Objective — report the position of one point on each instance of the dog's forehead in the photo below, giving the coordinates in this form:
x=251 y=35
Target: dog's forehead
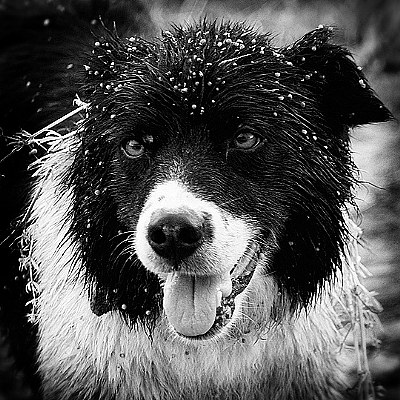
x=206 y=73
x=199 y=64
x=189 y=66
x=195 y=54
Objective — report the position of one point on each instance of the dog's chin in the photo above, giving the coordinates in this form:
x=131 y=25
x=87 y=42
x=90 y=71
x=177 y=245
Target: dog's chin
x=212 y=307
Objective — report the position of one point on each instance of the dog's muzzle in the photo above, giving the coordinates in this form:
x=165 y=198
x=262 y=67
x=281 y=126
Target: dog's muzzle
x=177 y=234
x=192 y=245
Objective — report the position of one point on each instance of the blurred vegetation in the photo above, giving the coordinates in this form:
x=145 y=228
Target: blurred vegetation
x=371 y=29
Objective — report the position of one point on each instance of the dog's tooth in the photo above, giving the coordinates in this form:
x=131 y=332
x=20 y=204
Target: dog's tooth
x=250 y=266
x=260 y=257
x=238 y=270
x=225 y=285
x=219 y=297
x=244 y=261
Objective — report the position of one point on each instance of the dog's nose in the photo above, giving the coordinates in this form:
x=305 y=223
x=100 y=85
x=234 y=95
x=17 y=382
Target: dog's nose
x=176 y=235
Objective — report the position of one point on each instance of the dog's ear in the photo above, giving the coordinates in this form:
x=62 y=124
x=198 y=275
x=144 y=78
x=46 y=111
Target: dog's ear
x=334 y=97
x=345 y=96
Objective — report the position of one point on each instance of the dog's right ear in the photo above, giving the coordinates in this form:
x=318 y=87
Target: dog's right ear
x=346 y=99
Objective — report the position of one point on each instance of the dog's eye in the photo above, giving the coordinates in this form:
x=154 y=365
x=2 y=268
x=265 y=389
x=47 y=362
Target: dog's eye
x=246 y=139
x=132 y=148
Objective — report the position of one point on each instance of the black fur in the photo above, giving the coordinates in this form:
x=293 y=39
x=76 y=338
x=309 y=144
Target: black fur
x=301 y=99
x=192 y=90
x=41 y=51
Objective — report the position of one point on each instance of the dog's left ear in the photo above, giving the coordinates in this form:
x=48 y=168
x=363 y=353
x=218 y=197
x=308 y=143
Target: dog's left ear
x=341 y=87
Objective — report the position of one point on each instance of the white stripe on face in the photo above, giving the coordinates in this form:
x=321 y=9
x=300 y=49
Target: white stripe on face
x=225 y=241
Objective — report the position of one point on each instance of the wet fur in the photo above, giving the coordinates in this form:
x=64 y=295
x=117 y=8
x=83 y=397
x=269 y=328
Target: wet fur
x=124 y=363
x=98 y=342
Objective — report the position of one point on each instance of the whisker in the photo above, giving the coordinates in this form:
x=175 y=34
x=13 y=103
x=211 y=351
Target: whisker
x=230 y=201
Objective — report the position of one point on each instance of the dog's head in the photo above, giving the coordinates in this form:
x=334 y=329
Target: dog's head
x=213 y=173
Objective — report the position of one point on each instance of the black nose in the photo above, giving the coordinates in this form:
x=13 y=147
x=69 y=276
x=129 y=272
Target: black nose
x=176 y=235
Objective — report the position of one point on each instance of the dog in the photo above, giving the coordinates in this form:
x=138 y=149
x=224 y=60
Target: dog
x=186 y=229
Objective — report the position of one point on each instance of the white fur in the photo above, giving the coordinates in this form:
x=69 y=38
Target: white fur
x=230 y=239
x=85 y=356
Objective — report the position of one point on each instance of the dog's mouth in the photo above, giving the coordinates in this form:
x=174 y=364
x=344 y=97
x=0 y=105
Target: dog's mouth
x=200 y=306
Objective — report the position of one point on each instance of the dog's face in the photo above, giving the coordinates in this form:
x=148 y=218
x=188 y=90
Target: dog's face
x=213 y=173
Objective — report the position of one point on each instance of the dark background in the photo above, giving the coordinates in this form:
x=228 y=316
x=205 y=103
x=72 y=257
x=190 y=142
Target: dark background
x=371 y=29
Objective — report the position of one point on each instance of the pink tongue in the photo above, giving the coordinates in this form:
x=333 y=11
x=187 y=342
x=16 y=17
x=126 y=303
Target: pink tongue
x=190 y=302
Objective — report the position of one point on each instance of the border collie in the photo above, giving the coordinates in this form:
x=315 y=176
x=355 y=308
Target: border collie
x=186 y=234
